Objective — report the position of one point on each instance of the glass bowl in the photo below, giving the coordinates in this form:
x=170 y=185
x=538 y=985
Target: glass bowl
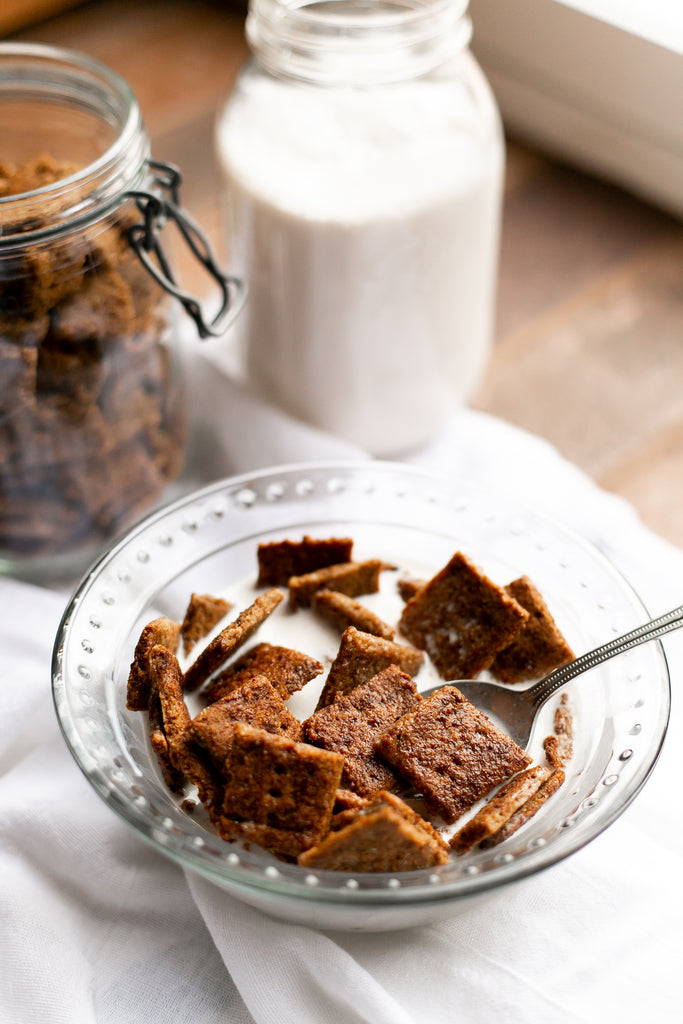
x=414 y=519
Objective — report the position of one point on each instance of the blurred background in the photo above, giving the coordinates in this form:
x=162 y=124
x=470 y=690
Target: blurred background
x=589 y=335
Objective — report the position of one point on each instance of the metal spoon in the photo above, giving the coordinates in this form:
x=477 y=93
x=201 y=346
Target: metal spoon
x=516 y=710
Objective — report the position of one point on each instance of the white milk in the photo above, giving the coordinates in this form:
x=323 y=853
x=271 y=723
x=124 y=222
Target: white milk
x=367 y=232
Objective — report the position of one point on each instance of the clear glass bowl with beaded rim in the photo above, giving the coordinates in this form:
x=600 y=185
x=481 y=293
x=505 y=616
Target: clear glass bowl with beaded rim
x=412 y=519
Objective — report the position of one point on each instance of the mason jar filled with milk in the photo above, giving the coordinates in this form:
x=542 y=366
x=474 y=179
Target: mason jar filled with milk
x=363 y=160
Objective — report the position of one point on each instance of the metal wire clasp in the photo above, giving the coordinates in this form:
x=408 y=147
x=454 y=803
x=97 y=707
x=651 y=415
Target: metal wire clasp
x=144 y=239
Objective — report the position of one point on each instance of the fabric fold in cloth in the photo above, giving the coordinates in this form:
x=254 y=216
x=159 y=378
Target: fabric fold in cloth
x=311 y=976
x=97 y=927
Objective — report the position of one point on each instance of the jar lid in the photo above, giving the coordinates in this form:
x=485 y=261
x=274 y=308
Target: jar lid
x=81 y=112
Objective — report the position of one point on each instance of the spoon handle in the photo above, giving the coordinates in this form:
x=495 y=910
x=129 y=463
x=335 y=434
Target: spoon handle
x=666 y=623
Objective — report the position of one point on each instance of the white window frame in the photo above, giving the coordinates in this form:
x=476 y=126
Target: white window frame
x=596 y=82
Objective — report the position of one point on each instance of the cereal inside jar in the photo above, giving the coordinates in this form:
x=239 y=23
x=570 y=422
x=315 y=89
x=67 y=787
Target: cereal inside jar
x=92 y=419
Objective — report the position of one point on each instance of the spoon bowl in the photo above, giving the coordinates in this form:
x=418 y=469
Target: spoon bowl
x=516 y=710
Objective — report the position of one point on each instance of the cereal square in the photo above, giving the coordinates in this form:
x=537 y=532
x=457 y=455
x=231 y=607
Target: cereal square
x=168 y=714
x=500 y=808
x=255 y=703
x=167 y=683
x=231 y=638
x=560 y=746
x=279 y=560
x=196 y=766
x=341 y=611
x=410 y=814
x=408 y=587
x=450 y=752
x=350 y=578
x=461 y=619
x=174 y=779
x=276 y=782
x=286 y=669
x=202 y=614
x=538 y=647
x=352 y=725
x=527 y=810
x=345 y=800
x=161 y=631
x=384 y=836
x=285 y=843
x=360 y=657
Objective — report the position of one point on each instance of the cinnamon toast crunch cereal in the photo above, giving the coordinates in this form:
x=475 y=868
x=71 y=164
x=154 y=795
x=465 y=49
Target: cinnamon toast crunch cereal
x=538 y=647
x=231 y=638
x=461 y=619
x=163 y=631
x=342 y=611
x=286 y=669
x=202 y=614
x=450 y=752
x=386 y=835
x=255 y=703
x=350 y=578
x=360 y=657
x=353 y=724
x=275 y=783
x=279 y=560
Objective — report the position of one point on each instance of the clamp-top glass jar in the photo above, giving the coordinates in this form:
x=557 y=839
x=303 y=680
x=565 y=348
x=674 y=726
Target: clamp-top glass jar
x=92 y=421
x=363 y=158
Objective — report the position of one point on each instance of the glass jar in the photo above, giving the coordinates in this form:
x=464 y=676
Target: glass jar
x=92 y=418
x=363 y=160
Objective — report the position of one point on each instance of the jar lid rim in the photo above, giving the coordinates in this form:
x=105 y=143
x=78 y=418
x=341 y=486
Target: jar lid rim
x=377 y=41
x=130 y=122
x=329 y=12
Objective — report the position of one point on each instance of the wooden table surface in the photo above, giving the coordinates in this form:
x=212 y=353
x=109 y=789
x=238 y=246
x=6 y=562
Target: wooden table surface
x=589 y=338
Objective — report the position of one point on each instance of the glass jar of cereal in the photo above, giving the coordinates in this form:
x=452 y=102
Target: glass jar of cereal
x=92 y=419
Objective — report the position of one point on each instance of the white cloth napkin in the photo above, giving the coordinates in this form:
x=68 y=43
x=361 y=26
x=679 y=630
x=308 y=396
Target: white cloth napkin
x=95 y=926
